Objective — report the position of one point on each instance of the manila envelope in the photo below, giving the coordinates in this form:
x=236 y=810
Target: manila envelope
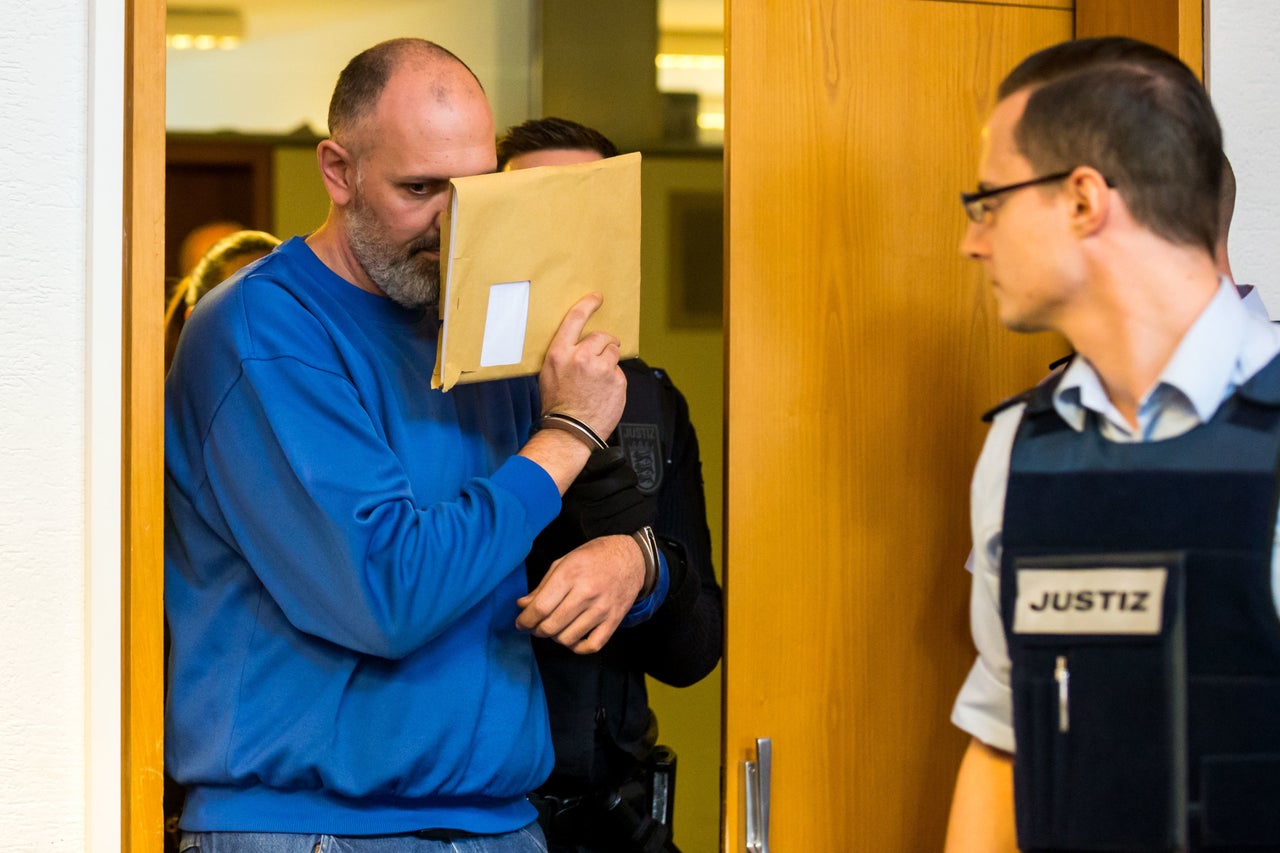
x=518 y=249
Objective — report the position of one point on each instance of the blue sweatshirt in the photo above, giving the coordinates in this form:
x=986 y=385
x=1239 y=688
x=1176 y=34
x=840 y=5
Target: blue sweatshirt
x=343 y=551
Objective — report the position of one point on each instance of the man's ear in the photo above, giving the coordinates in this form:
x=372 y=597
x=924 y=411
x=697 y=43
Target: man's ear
x=1091 y=199
x=338 y=170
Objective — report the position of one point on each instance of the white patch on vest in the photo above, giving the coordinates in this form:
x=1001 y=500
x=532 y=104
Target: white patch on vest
x=1090 y=601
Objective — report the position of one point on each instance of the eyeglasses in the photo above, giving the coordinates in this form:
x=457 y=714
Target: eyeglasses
x=977 y=207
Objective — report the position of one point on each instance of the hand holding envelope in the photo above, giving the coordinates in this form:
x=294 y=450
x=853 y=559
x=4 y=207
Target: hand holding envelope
x=580 y=376
x=519 y=249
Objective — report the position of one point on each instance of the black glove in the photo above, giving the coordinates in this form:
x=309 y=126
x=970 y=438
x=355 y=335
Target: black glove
x=606 y=498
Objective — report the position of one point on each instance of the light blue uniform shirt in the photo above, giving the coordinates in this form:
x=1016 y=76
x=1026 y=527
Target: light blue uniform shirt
x=1225 y=346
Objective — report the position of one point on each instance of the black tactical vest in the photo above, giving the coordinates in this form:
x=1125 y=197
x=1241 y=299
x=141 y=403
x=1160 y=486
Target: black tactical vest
x=599 y=706
x=1136 y=597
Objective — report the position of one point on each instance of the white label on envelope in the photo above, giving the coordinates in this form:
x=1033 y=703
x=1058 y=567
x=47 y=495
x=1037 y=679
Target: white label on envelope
x=505 y=323
x=1089 y=601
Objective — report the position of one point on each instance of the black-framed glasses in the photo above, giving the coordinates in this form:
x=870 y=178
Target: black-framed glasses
x=975 y=204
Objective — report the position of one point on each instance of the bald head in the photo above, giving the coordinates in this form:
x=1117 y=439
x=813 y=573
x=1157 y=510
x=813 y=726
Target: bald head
x=362 y=83
x=406 y=118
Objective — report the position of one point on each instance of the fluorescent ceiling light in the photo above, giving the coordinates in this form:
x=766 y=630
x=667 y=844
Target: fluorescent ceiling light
x=711 y=121
x=203 y=29
x=693 y=61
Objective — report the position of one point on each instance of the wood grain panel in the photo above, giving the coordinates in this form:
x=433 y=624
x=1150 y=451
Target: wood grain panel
x=1175 y=25
x=1035 y=4
x=861 y=351
x=143 y=477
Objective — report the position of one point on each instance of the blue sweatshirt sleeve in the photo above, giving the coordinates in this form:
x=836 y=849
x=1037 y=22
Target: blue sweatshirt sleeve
x=356 y=525
x=644 y=609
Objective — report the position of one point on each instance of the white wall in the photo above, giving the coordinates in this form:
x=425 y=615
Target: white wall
x=43 y=471
x=282 y=75
x=1243 y=64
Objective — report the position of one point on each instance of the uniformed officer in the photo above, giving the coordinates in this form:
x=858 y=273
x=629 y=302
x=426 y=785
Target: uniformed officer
x=609 y=771
x=1127 y=687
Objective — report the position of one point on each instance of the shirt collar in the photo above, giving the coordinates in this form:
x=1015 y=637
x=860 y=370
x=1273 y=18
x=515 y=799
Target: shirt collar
x=1205 y=368
x=1206 y=365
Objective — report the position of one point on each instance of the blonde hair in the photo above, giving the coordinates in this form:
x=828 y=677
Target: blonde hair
x=217 y=265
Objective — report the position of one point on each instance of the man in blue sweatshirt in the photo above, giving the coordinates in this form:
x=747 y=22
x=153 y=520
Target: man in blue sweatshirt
x=350 y=665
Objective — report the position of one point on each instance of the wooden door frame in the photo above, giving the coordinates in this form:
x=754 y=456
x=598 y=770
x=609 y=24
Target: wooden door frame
x=142 y=439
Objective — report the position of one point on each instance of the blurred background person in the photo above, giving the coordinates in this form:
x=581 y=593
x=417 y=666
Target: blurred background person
x=1226 y=209
x=229 y=253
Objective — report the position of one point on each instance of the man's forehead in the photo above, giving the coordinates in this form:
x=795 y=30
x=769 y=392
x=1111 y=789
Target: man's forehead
x=1004 y=117
x=422 y=114
x=433 y=90
x=999 y=150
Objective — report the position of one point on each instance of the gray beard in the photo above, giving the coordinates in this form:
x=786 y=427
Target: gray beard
x=406 y=278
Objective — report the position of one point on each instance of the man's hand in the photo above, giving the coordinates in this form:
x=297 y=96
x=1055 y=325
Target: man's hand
x=585 y=594
x=580 y=375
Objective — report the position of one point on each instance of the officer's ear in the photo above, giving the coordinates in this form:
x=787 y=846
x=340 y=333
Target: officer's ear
x=1091 y=199
x=338 y=168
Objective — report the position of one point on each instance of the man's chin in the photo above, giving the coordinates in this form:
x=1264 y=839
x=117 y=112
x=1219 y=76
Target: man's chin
x=421 y=289
x=1022 y=325
x=1008 y=314
x=413 y=301
x=414 y=296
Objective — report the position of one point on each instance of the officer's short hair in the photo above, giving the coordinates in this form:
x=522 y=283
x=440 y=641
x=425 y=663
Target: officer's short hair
x=1136 y=114
x=1069 y=57
x=552 y=134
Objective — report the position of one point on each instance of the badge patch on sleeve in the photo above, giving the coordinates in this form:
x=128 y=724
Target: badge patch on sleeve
x=1090 y=601
x=642 y=443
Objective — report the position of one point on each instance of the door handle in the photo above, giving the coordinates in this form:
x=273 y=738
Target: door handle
x=755 y=786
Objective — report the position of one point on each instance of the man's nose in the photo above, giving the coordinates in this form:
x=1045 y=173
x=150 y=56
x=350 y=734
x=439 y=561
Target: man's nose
x=442 y=203
x=974 y=244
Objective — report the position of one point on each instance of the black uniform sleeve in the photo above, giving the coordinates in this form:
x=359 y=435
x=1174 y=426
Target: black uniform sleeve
x=683 y=640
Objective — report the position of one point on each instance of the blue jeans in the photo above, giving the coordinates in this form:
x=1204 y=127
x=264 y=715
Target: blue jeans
x=526 y=840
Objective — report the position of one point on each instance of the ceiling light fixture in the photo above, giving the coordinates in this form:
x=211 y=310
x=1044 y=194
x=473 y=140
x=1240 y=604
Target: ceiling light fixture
x=203 y=29
x=689 y=61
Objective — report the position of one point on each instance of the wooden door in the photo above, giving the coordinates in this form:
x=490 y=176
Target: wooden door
x=862 y=350
x=1175 y=25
